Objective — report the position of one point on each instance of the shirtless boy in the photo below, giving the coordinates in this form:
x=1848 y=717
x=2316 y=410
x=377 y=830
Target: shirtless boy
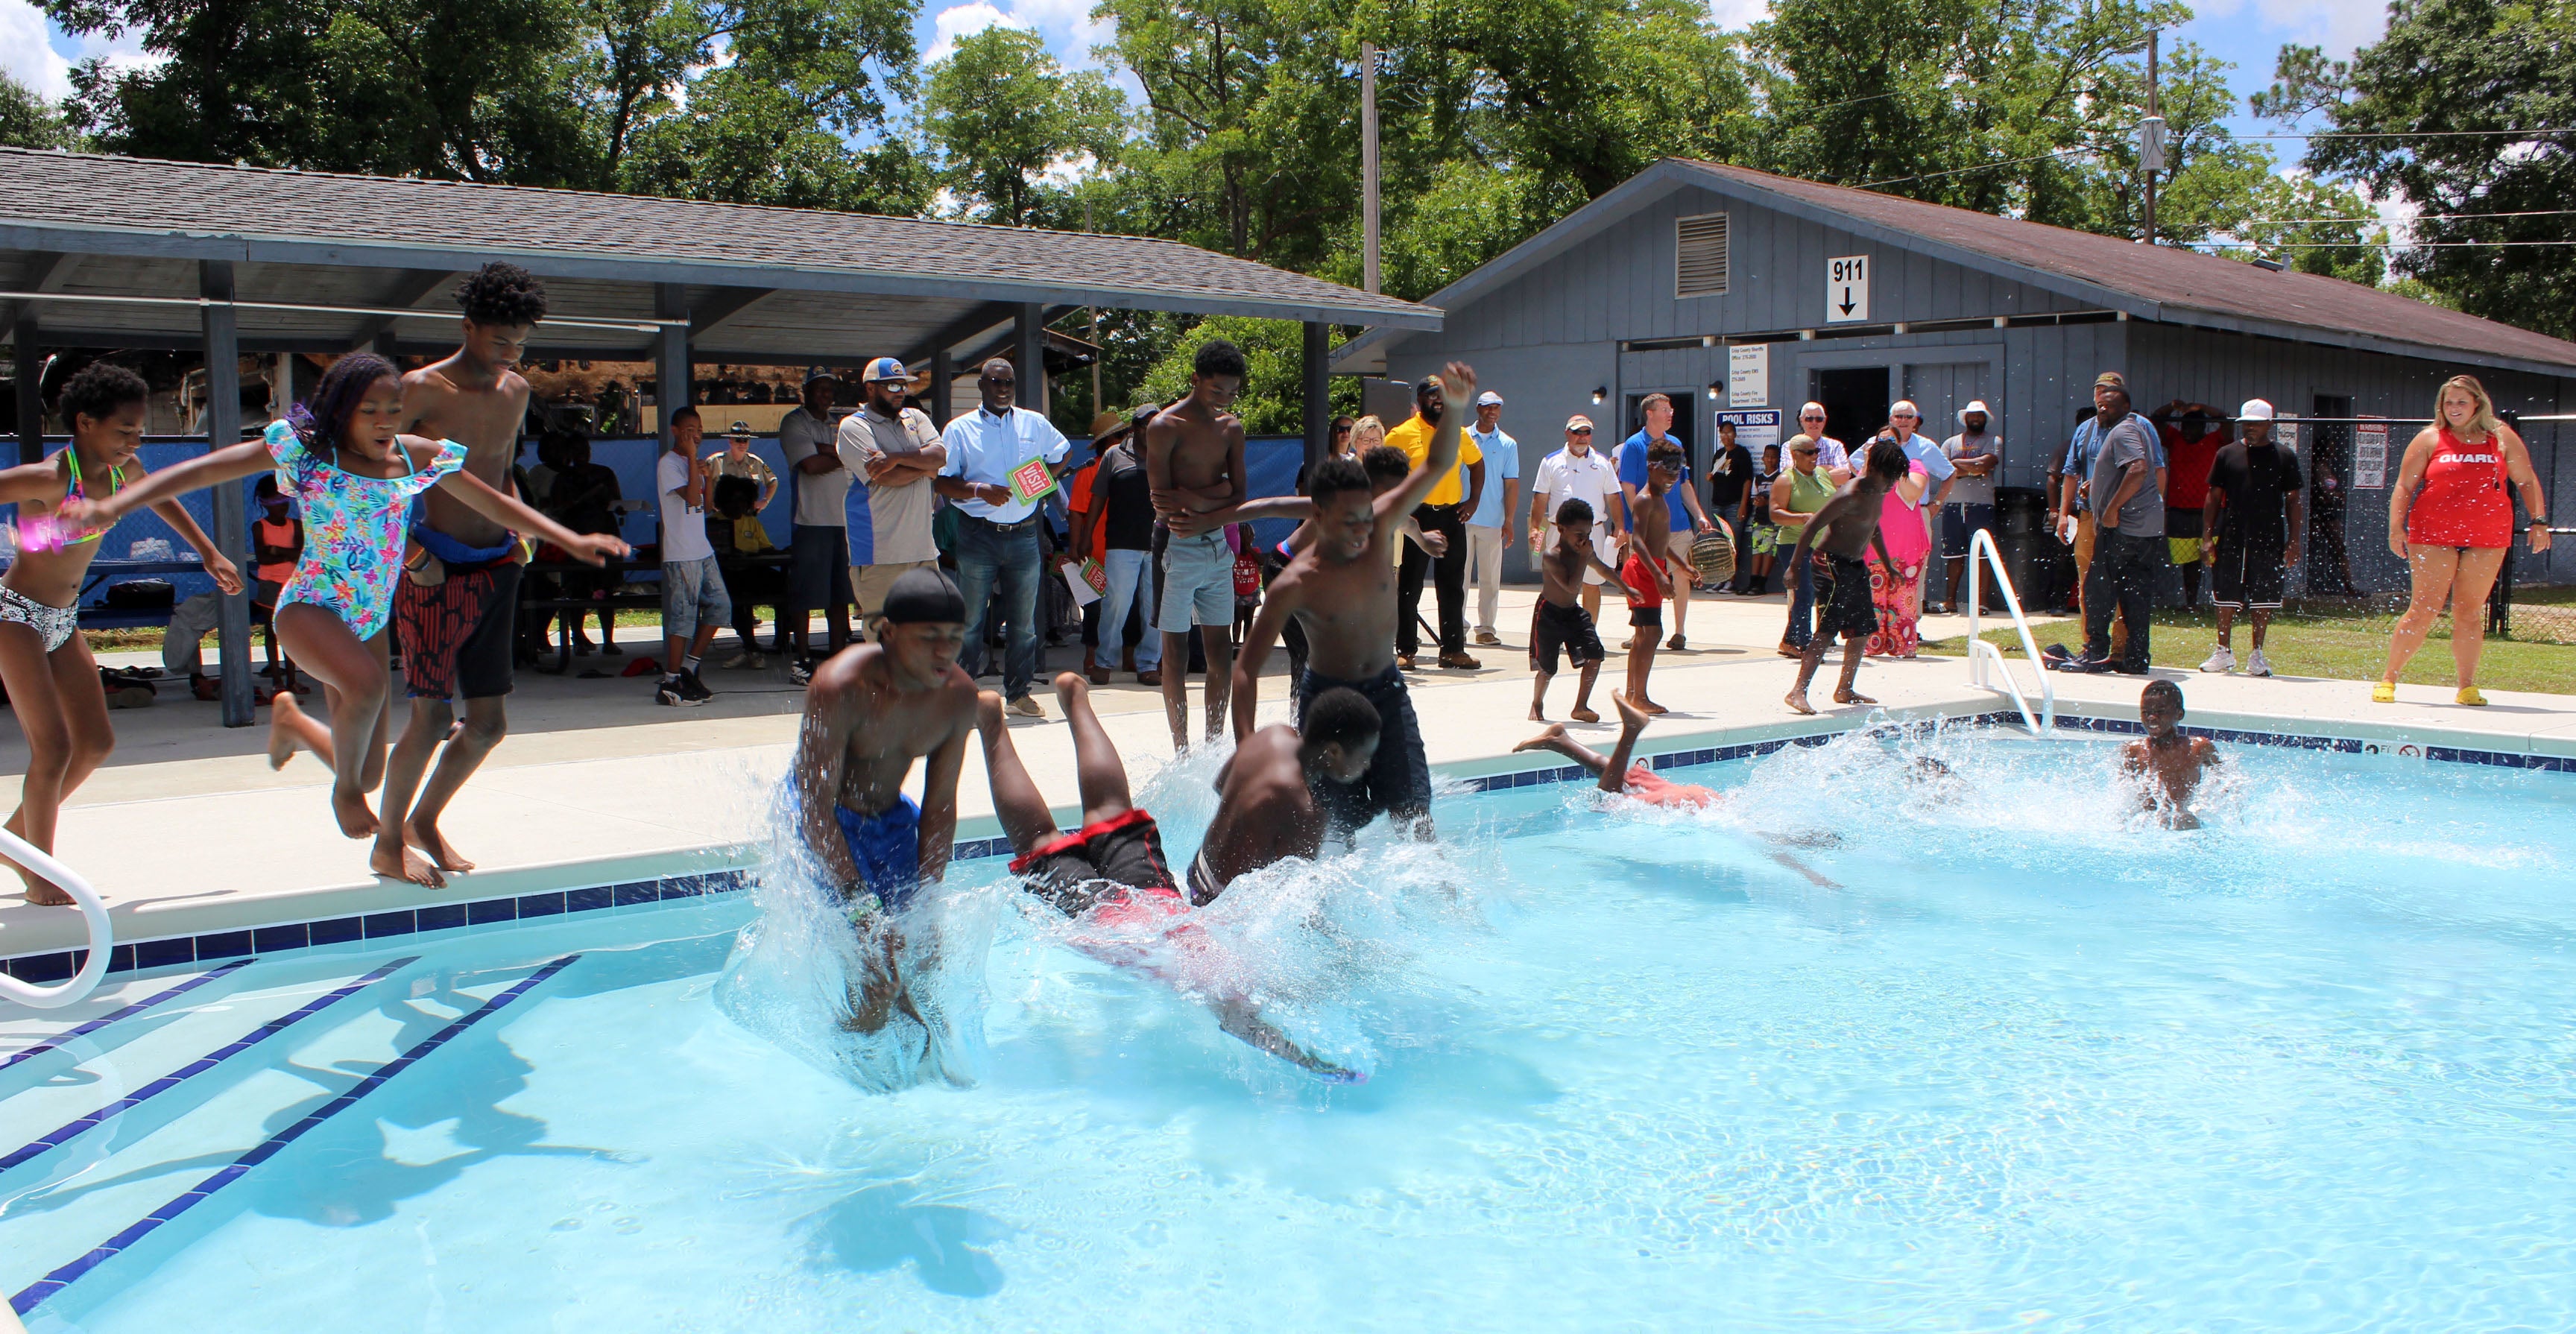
x=1269 y=806
x=454 y=613
x=1341 y=589
x=1110 y=875
x=871 y=711
x=1559 y=620
x=1194 y=465
x=1617 y=774
x=2171 y=763
x=1643 y=572
x=1841 y=533
x=44 y=661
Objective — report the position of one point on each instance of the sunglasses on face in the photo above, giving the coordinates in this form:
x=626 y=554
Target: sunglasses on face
x=1802 y=451
x=1813 y=417
x=1581 y=430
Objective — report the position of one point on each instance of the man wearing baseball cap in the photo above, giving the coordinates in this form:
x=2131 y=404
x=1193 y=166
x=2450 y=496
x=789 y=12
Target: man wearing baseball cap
x=1977 y=451
x=2255 y=511
x=818 y=552
x=892 y=452
x=1489 y=523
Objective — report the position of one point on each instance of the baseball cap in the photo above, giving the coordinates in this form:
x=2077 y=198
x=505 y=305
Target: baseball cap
x=814 y=373
x=2255 y=410
x=1578 y=422
x=1489 y=399
x=884 y=368
x=2112 y=378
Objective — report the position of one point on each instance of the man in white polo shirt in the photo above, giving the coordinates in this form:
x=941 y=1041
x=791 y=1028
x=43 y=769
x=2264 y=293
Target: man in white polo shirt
x=997 y=533
x=1576 y=472
x=1489 y=525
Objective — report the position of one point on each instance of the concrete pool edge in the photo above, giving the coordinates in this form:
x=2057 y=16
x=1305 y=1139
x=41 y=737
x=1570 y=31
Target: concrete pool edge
x=178 y=934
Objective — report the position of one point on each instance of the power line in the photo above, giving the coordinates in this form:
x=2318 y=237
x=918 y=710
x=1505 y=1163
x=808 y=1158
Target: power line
x=2372 y=245
x=2419 y=217
x=1982 y=166
x=2406 y=134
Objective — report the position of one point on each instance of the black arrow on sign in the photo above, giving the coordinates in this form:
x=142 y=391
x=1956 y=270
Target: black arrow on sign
x=1847 y=301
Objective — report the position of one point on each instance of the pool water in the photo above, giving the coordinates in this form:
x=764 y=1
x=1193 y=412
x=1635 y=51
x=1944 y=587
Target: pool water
x=1850 y=1052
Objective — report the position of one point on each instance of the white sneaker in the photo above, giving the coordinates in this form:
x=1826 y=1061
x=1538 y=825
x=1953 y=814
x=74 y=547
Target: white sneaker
x=1027 y=707
x=2224 y=660
x=2255 y=666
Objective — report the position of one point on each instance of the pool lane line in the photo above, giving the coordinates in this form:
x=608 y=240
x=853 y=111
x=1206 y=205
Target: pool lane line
x=75 y=1129
x=126 y=1012
x=36 y=1293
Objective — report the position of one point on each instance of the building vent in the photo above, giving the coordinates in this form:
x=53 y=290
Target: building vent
x=1700 y=250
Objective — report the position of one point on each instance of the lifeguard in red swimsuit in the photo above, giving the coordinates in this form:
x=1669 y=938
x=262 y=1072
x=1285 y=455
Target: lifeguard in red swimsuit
x=2450 y=516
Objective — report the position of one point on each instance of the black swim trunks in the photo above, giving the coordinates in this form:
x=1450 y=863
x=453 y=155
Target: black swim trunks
x=2247 y=576
x=1842 y=603
x=457 y=637
x=1567 y=628
x=1110 y=861
x=1398 y=781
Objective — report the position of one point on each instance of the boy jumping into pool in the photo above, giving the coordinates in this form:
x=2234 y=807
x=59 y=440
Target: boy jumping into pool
x=1270 y=804
x=1110 y=875
x=1559 y=620
x=1643 y=572
x=871 y=711
x=2168 y=763
x=1841 y=533
x=1618 y=776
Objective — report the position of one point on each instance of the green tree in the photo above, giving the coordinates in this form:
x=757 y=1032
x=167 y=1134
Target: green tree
x=29 y=120
x=2472 y=78
x=1002 y=114
x=1273 y=401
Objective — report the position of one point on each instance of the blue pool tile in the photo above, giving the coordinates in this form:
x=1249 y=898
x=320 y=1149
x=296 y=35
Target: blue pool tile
x=41 y=967
x=164 y=953
x=337 y=931
x=439 y=917
x=491 y=910
x=586 y=899
x=541 y=905
x=223 y=945
x=634 y=892
x=291 y=936
x=380 y=924
x=121 y=959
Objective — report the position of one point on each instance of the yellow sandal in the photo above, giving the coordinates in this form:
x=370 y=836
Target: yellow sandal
x=2469 y=695
x=2383 y=692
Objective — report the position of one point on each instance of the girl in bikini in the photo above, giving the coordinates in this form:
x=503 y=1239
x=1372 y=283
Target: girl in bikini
x=52 y=680
x=343 y=460
x=2450 y=517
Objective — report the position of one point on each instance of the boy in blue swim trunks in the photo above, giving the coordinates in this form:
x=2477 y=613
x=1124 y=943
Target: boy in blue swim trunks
x=871 y=711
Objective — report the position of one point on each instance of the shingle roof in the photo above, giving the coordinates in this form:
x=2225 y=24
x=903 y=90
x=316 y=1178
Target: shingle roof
x=849 y=251
x=2170 y=275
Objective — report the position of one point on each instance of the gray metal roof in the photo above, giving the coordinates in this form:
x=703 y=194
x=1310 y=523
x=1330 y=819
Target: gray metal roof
x=775 y=280
x=2164 y=283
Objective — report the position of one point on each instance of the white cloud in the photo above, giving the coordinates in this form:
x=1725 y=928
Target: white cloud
x=27 y=51
x=1733 y=15
x=966 y=20
x=2339 y=26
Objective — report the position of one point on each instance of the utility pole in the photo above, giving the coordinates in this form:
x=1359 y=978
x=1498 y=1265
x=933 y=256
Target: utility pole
x=2151 y=139
x=1368 y=163
x=1096 y=406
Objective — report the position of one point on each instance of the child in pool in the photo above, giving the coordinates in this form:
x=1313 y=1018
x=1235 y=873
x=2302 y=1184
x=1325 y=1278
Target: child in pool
x=1616 y=773
x=342 y=456
x=2172 y=763
x=51 y=678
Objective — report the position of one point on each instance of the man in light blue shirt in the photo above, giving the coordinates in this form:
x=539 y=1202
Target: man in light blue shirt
x=1496 y=509
x=997 y=533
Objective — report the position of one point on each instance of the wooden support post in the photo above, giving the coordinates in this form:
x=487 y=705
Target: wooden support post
x=1319 y=398
x=31 y=393
x=232 y=513
x=943 y=386
x=673 y=377
x=1028 y=338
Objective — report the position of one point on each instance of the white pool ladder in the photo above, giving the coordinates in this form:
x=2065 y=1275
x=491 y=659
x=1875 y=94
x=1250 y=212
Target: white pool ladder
x=93 y=913
x=1986 y=663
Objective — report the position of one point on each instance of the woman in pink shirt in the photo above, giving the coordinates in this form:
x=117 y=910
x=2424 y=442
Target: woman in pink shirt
x=1895 y=592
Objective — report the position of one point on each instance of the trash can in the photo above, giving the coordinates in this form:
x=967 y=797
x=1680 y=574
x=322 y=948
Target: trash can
x=2023 y=539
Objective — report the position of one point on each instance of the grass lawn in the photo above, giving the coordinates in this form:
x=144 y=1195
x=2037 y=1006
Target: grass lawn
x=2352 y=644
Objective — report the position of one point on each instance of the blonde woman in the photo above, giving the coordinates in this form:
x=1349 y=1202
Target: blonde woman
x=2451 y=516
x=1366 y=434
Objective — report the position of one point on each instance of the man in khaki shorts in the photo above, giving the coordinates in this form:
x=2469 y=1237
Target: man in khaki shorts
x=892 y=452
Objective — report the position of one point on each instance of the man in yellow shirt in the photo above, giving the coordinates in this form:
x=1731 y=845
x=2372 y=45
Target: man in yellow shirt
x=1443 y=510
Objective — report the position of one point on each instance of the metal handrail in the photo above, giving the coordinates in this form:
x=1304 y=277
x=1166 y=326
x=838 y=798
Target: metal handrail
x=1980 y=653
x=93 y=913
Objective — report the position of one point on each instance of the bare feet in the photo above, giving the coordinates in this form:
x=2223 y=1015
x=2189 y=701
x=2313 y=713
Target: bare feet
x=1537 y=714
x=1648 y=706
x=988 y=713
x=401 y=863
x=1584 y=716
x=1797 y=702
x=1555 y=732
x=1629 y=713
x=1852 y=697
x=40 y=891
x=357 y=819
x=1069 y=686
x=281 y=729
x=427 y=838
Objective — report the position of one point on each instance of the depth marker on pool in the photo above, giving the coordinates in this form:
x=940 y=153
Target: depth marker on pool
x=126 y=1012
x=37 y=1292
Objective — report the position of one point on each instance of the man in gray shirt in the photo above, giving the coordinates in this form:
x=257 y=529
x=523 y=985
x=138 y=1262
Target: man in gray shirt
x=818 y=570
x=2129 y=516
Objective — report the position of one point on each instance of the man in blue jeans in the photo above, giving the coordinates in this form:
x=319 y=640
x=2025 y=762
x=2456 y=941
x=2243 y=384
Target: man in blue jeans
x=997 y=533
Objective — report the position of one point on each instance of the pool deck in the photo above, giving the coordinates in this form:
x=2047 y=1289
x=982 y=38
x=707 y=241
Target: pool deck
x=188 y=832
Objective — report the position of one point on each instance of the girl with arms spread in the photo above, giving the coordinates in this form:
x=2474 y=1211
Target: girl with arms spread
x=343 y=460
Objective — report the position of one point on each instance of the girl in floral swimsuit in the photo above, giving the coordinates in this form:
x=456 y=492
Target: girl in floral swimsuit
x=342 y=458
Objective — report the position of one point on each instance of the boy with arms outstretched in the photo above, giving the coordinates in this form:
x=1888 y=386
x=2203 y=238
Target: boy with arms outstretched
x=1559 y=621
x=1843 y=530
x=1194 y=465
x=1643 y=572
x=52 y=680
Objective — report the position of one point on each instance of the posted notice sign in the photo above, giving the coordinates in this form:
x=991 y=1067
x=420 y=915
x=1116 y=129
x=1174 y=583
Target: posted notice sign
x=1756 y=429
x=1847 y=289
x=1031 y=480
x=2370 y=455
x=1748 y=375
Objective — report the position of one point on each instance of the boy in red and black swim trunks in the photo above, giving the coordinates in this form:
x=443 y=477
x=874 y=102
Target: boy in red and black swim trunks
x=1643 y=572
x=1111 y=876
x=1618 y=775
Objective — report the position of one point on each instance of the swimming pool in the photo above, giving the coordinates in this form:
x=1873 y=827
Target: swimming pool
x=2020 y=1062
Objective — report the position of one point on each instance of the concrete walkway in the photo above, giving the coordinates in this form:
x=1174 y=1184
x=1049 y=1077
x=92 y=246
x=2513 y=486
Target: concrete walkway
x=187 y=830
